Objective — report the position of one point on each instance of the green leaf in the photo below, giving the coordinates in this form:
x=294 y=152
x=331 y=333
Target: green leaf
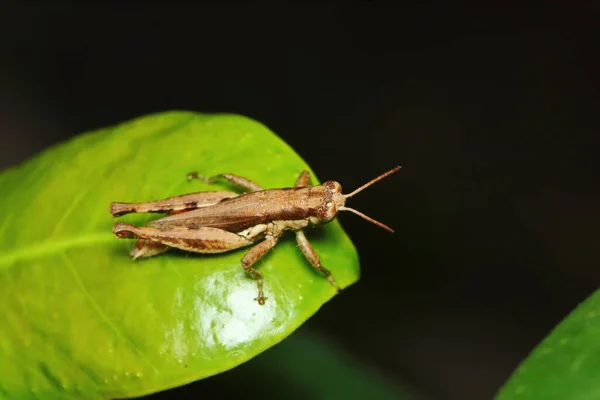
x=566 y=365
x=81 y=319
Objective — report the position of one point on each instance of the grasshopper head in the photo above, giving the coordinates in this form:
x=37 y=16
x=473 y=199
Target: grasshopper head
x=335 y=199
x=338 y=200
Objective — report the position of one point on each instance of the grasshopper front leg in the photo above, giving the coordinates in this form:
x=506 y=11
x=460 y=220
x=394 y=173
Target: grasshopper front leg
x=308 y=251
x=303 y=180
x=312 y=256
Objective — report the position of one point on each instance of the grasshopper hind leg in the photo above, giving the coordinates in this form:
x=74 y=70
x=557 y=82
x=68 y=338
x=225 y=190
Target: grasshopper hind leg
x=147 y=248
x=171 y=205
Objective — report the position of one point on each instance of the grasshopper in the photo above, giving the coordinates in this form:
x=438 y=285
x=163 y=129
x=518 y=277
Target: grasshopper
x=222 y=221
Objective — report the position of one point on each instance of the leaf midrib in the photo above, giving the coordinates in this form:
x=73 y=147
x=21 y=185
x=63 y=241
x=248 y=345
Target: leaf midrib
x=9 y=258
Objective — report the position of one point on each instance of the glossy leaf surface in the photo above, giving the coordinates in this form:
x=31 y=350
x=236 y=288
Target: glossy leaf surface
x=81 y=319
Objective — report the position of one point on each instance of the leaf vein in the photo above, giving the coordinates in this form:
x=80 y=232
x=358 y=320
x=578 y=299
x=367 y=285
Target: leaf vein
x=76 y=201
x=53 y=246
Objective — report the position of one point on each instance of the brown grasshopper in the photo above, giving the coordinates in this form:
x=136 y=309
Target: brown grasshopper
x=218 y=222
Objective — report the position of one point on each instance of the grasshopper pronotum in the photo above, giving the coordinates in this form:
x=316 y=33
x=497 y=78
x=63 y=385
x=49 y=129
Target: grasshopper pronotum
x=217 y=222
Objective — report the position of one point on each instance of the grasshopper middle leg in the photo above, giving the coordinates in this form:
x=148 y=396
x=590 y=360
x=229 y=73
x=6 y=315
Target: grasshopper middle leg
x=252 y=256
x=237 y=180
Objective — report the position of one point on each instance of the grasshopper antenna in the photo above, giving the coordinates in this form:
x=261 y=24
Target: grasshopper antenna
x=372 y=181
x=379 y=224
x=363 y=187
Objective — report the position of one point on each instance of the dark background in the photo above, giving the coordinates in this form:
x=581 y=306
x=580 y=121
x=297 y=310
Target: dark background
x=491 y=111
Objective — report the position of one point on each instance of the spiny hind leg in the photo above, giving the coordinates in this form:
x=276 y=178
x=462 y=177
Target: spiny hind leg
x=172 y=205
x=200 y=240
x=147 y=248
x=251 y=257
x=234 y=179
x=312 y=256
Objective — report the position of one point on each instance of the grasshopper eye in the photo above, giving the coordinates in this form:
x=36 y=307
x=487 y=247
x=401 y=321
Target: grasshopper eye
x=333 y=186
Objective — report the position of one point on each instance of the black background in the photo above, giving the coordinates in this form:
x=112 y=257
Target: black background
x=491 y=111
